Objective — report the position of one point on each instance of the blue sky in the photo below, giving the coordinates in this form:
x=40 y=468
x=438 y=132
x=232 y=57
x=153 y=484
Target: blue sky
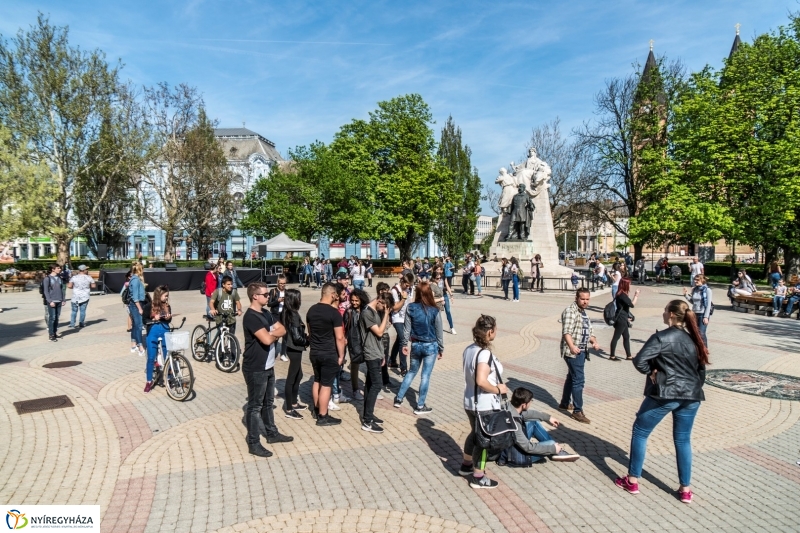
x=296 y=71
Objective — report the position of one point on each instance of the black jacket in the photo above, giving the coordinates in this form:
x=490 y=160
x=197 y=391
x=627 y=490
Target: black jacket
x=274 y=303
x=680 y=374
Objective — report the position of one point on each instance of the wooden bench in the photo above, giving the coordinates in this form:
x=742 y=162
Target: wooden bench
x=16 y=286
x=387 y=272
x=754 y=305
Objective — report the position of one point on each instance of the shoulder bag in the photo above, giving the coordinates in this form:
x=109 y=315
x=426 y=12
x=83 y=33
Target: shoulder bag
x=494 y=432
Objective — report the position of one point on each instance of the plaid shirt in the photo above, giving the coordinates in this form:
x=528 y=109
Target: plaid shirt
x=571 y=324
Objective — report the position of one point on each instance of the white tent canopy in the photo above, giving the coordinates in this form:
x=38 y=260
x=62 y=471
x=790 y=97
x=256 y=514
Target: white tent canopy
x=282 y=243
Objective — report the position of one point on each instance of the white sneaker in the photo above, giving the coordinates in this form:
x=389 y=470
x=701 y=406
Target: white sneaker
x=333 y=407
x=141 y=353
x=134 y=349
x=380 y=396
x=284 y=358
x=453 y=331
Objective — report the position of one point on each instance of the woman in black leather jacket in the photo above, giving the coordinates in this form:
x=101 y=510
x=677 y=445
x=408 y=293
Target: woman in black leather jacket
x=675 y=361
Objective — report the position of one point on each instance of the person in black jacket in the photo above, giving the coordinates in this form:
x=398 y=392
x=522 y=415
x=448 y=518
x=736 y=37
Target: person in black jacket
x=352 y=332
x=675 y=363
x=623 y=320
x=296 y=342
x=275 y=300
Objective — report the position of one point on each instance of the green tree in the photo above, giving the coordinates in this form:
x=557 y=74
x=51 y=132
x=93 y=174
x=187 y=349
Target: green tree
x=454 y=231
x=54 y=99
x=393 y=158
x=26 y=192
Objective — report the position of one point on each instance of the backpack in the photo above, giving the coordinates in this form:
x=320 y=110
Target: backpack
x=41 y=289
x=203 y=287
x=126 y=295
x=610 y=312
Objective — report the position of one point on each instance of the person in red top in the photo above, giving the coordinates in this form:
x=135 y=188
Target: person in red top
x=212 y=281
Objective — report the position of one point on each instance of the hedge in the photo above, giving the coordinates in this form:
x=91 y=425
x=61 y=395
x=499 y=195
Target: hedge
x=724 y=269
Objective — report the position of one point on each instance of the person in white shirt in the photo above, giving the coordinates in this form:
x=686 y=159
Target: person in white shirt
x=616 y=275
x=357 y=272
x=402 y=294
x=81 y=285
x=695 y=269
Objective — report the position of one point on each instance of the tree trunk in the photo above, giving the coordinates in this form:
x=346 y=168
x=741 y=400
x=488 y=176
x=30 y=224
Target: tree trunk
x=637 y=251
x=404 y=247
x=62 y=246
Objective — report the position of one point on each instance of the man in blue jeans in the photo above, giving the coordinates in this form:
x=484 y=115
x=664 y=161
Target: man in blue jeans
x=528 y=422
x=576 y=337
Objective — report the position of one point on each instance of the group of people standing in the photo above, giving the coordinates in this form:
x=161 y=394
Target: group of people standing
x=54 y=295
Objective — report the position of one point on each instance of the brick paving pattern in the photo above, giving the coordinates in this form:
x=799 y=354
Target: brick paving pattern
x=153 y=464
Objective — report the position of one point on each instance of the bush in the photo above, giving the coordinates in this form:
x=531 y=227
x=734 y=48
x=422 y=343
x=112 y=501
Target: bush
x=724 y=269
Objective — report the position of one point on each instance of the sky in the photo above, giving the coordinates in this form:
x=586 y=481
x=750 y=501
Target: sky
x=296 y=71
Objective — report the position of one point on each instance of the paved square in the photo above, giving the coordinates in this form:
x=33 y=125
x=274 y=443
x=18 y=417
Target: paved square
x=154 y=464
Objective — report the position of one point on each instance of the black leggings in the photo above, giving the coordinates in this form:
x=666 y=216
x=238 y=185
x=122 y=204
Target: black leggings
x=294 y=377
x=621 y=329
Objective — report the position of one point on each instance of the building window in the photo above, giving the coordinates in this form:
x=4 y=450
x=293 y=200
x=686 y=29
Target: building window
x=151 y=245
x=238 y=247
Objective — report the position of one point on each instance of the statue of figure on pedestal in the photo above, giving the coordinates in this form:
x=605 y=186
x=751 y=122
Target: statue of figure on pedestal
x=509 y=189
x=520 y=215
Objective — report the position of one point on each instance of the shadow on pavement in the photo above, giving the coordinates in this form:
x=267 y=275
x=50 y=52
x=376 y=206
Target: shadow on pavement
x=9 y=334
x=442 y=444
x=539 y=394
x=777 y=333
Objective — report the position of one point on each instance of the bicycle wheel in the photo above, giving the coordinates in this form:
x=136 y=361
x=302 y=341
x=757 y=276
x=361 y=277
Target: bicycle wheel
x=199 y=341
x=227 y=352
x=178 y=377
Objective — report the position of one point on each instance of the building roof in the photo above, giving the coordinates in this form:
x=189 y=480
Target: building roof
x=241 y=143
x=649 y=66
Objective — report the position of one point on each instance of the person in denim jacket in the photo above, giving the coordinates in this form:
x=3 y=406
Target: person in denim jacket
x=423 y=327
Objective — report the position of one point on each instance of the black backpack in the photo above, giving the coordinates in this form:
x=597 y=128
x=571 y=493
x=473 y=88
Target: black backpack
x=126 y=295
x=610 y=312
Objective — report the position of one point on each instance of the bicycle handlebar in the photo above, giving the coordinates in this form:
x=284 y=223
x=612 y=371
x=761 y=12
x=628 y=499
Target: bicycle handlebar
x=173 y=328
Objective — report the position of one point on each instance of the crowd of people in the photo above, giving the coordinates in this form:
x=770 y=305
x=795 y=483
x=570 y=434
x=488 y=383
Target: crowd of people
x=347 y=332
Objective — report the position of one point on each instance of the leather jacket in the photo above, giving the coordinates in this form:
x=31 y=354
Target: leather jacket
x=680 y=374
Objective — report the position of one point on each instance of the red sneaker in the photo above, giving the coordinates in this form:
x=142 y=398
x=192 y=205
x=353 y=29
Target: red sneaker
x=148 y=386
x=686 y=497
x=623 y=483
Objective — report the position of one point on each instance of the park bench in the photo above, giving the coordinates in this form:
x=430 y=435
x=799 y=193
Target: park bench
x=387 y=272
x=754 y=304
x=14 y=285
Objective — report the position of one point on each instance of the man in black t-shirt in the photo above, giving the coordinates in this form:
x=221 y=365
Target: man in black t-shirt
x=326 y=350
x=258 y=368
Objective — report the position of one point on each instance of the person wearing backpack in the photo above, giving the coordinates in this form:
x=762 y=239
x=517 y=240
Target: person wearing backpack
x=622 y=319
x=53 y=299
x=702 y=304
x=529 y=426
x=138 y=296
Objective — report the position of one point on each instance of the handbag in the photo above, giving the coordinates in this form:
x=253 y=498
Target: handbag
x=494 y=432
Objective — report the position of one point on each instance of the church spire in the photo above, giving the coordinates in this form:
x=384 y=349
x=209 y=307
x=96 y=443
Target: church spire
x=736 y=41
x=650 y=65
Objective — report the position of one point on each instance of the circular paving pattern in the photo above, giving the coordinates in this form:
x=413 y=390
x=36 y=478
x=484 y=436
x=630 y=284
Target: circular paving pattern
x=757 y=383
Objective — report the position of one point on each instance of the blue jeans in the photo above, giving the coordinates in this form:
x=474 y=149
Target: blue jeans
x=702 y=327
x=208 y=305
x=156 y=332
x=478 y=283
x=447 y=310
x=777 y=303
x=775 y=277
x=506 y=283
x=318 y=279
x=425 y=354
x=52 y=318
x=650 y=414
x=573 y=386
x=533 y=429
x=614 y=289
x=515 y=282
x=358 y=284
x=75 y=308
x=792 y=301
x=136 y=330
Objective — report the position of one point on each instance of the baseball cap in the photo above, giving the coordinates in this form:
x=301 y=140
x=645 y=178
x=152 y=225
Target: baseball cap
x=82 y=267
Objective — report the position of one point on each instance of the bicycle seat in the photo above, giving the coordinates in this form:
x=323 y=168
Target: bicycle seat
x=208 y=318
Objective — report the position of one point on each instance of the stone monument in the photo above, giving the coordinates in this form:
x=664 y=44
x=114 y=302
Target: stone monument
x=525 y=226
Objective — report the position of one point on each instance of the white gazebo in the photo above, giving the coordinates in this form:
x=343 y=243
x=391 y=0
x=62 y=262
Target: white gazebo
x=282 y=243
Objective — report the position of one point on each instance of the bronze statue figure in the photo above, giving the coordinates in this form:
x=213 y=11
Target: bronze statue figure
x=520 y=215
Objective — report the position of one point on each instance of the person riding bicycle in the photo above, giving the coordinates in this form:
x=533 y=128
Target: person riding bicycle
x=225 y=305
x=157 y=315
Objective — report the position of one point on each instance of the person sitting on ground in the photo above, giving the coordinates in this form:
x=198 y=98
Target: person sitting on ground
x=524 y=452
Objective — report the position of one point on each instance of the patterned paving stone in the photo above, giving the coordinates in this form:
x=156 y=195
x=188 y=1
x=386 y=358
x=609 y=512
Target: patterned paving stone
x=153 y=464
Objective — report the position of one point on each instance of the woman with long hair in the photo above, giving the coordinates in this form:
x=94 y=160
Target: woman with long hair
x=296 y=343
x=158 y=315
x=355 y=342
x=675 y=363
x=138 y=295
x=515 y=278
x=622 y=323
x=423 y=327
x=442 y=294
x=478 y=273
x=483 y=389
x=775 y=273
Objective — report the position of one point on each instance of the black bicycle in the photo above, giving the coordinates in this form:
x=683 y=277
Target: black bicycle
x=225 y=347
